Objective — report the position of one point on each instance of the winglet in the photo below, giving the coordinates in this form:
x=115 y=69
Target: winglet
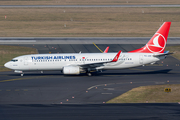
x=106 y=50
x=116 y=57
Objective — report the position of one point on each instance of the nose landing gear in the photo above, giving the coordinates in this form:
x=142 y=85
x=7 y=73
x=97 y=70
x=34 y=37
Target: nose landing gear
x=89 y=74
x=22 y=74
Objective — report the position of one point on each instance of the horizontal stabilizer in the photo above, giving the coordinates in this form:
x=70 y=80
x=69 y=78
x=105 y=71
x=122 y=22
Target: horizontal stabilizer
x=162 y=54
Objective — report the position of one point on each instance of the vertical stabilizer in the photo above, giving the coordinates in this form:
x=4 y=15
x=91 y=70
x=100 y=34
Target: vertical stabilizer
x=157 y=43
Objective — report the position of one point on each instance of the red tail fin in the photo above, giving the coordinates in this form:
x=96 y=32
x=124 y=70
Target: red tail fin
x=158 y=42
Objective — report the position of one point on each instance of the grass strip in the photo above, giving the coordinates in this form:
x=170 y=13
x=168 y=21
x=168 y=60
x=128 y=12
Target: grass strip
x=87 y=2
x=175 y=50
x=86 y=22
x=150 y=94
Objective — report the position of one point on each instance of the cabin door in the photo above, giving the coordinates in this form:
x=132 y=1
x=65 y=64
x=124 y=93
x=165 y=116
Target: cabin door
x=141 y=59
x=25 y=60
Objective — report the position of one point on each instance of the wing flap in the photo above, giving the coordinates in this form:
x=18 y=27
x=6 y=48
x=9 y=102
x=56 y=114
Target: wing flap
x=98 y=64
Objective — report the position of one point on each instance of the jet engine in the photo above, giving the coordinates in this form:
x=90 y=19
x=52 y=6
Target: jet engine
x=71 y=70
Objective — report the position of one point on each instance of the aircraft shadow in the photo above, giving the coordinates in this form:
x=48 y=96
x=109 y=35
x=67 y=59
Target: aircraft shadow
x=165 y=71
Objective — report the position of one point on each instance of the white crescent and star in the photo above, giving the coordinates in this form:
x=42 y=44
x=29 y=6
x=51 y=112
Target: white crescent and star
x=156 y=43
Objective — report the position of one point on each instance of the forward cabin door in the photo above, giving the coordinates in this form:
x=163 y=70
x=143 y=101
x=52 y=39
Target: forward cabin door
x=25 y=60
x=141 y=59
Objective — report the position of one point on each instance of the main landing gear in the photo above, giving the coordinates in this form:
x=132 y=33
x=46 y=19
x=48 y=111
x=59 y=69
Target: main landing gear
x=18 y=71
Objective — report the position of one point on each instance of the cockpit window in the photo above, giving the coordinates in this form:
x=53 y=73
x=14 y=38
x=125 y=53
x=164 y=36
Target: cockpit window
x=14 y=60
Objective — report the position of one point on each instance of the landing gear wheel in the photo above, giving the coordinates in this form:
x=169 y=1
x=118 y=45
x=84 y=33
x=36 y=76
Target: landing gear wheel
x=89 y=74
x=22 y=74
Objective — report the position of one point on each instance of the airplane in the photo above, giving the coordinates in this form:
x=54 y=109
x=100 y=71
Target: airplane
x=77 y=63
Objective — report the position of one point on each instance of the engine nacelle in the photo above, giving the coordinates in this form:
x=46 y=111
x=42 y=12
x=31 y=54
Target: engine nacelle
x=71 y=70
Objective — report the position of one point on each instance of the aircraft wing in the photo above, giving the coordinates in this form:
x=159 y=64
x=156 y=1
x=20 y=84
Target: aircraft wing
x=98 y=64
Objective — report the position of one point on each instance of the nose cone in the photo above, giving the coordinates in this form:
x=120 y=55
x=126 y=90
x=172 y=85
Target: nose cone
x=7 y=65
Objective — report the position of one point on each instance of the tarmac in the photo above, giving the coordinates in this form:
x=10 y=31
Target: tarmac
x=81 y=40
x=52 y=87
x=54 y=95
x=166 y=111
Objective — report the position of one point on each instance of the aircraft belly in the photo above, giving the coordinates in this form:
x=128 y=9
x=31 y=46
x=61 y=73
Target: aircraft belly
x=40 y=66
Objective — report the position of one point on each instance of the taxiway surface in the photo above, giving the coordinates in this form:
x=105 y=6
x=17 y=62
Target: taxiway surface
x=51 y=95
x=166 y=111
x=81 y=40
x=52 y=87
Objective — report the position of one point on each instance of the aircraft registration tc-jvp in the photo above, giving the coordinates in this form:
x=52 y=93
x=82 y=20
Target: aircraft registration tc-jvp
x=76 y=63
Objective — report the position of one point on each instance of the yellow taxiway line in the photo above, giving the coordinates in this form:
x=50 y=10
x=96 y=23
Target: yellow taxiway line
x=98 y=47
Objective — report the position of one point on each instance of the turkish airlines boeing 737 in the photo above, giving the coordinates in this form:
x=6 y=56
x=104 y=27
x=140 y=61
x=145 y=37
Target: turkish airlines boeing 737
x=75 y=63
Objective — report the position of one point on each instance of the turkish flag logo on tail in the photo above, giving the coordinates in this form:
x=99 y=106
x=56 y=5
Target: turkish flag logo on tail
x=158 y=42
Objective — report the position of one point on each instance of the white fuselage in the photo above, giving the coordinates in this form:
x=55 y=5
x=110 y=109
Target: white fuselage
x=58 y=61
